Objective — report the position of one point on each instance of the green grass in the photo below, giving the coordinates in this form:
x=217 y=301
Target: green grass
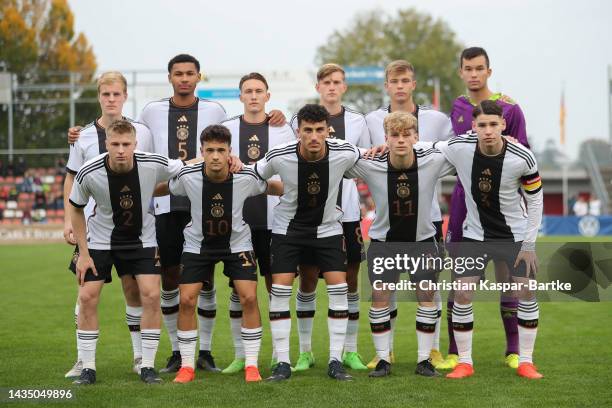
x=37 y=346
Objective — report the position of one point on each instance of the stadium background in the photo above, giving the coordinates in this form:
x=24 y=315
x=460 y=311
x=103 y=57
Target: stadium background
x=37 y=338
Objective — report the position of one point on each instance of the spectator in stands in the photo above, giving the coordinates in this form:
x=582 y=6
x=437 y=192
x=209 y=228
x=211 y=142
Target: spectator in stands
x=581 y=207
x=594 y=206
x=2 y=169
x=570 y=205
x=60 y=166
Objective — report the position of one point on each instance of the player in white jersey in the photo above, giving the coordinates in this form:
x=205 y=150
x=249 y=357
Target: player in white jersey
x=492 y=170
x=121 y=232
x=344 y=124
x=433 y=126
x=112 y=94
x=252 y=137
x=401 y=184
x=217 y=233
x=308 y=218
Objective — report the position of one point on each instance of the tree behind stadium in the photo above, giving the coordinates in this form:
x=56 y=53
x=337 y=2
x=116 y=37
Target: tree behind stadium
x=376 y=38
x=38 y=44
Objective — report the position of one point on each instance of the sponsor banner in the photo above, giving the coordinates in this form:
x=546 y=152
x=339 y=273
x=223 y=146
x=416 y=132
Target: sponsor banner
x=38 y=233
x=588 y=226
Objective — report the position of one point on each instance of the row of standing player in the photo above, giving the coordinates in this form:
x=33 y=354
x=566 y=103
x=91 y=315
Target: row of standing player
x=399 y=84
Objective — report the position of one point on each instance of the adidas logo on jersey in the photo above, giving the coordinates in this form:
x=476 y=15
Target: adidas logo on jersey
x=254 y=138
x=487 y=172
x=403 y=176
x=125 y=189
x=218 y=196
x=183 y=119
x=313 y=176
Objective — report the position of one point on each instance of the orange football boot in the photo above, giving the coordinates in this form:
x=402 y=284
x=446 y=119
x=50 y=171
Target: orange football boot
x=462 y=370
x=251 y=374
x=528 y=370
x=185 y=375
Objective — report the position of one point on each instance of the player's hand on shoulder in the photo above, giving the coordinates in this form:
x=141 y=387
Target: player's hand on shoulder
x=511 y=139
x=277 y=118
x=375 y=151
x=235 y=164
x=84 y=263
x=74 y=133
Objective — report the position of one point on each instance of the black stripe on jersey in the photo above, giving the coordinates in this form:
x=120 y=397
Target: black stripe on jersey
x=69 y=170
x=190 y=169
x=182 y=141
x=152 y=157
x=101 y=137
x=253 y=145
x=89 y=168
x=403 y=197
x=153 y=160
x=336 y=126
x=292 y=148
x=217 y=199
x=458 y=139
x=313 y=188
x=521 y=153
x=424 y=153
x=337 y=131
x=486 y=182
x=126 y=201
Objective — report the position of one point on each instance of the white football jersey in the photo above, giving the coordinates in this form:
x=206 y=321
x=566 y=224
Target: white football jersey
x=92 y=143
x=176 y=134
x=495 y=206
x=308 y=208
x=403 y=197
x=121 y=219
x=250 y=142
x=216 y=223
x=433 y=126
x=351 y=126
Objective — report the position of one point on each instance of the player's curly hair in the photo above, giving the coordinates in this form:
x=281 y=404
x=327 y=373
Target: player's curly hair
x=312 y=113
x=216 y=133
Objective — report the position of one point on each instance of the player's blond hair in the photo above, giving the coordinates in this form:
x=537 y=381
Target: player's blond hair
x=121 y=127
x=328 y=69
x=398 y=67
x=399 y=122
x=110 y=77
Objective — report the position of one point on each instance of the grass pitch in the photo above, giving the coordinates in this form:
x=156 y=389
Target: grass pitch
x=37 y=345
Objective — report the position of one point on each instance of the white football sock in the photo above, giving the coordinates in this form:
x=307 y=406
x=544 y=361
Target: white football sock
x=170 y=307
x=88 y=339
x=207 y=312
x=187 y=345
x=133 y=315
x=528 y=314
x=280 y=320
x=235 y=312
x=337 y=319
x=305 y=305
x=251 y=339
x=426 y=318
x=352 y=327
x=463 y=327
x=381 y=329
x=150 y=342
